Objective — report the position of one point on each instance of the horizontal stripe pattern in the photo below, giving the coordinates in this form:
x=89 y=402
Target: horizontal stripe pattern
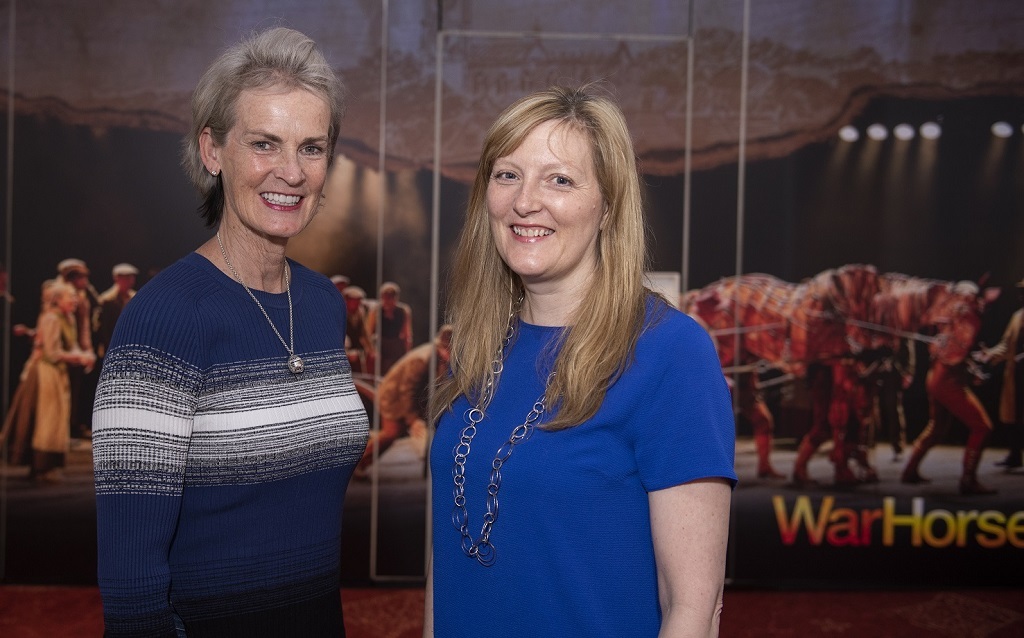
x=220 y=476
x=245 y=429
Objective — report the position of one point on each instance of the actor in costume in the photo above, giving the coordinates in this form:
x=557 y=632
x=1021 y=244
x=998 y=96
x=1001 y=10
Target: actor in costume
x=110 y=304
x=850 y=415
x=75 y=273
x=403 y=396
x=753 y=407
x=894 y=374
x=58 y=348
x=390 y=323
x=595 y=413
x=227 y=424
x=950 y=397
x=83 y=378
x=358 y=340
x=1010 y=351
x=41 y=408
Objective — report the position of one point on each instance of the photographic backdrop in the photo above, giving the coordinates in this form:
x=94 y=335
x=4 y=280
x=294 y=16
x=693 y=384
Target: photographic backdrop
x=821 y=253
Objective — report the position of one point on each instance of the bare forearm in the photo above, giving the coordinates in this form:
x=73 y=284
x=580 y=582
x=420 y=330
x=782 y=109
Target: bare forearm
x=697 y=621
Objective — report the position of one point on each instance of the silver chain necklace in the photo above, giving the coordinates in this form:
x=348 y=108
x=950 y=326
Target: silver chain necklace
x=481 y=548
x=295 y=363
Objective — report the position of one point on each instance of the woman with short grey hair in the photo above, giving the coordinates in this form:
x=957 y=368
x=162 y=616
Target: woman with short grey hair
x=226 y=422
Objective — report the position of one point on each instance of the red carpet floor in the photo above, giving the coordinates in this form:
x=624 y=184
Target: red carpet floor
x=68 y=612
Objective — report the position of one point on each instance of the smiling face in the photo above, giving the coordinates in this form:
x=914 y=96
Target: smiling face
x=273 y=162
x=546 y=209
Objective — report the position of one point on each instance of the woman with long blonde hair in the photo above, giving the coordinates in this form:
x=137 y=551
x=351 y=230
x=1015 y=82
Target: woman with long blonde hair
x=593 y=412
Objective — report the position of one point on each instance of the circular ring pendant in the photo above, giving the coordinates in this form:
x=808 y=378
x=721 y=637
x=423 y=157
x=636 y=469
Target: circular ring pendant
x=295 y=364
x=485 y=553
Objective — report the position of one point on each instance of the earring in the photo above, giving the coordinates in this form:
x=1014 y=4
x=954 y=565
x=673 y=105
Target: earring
x=214 y=172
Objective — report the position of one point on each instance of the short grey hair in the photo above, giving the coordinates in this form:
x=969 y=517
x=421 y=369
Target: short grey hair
x=275 y=57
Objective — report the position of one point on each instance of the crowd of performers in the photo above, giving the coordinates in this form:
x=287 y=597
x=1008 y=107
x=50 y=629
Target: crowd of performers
x=391 y=375
x=379 y=332
x=51 y=410
x=53 y=402
x=849 y=337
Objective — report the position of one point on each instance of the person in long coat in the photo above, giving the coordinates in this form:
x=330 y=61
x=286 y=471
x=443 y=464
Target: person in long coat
x=41 y=409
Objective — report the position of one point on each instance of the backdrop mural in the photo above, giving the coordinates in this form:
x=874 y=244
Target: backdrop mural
x=839 y=193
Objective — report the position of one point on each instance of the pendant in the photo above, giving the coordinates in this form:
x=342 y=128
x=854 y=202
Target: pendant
x=295 y=364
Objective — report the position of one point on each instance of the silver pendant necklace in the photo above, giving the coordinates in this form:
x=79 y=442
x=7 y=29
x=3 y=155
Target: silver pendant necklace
x=295 y=363
x=481 y=548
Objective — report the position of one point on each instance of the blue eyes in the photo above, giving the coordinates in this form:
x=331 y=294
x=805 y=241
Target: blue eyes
x=309 y=150
x=509 y=176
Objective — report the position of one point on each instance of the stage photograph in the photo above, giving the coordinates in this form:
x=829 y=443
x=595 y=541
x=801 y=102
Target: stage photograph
x=280 y=280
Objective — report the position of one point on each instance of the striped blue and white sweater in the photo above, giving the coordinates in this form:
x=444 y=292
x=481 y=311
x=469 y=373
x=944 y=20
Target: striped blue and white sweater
x=220 y=475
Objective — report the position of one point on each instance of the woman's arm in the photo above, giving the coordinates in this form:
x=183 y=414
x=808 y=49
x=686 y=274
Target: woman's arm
x=690 y=530
x=142 y=423
x=143 y=415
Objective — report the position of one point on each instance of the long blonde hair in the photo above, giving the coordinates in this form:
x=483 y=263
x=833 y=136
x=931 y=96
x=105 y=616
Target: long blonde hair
x=483 y=288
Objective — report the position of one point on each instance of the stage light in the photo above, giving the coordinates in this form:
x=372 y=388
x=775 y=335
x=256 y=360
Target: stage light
x=1002 y=129
x=878 y=132
x=903 y=132
x=849 y=134
x=931 y=131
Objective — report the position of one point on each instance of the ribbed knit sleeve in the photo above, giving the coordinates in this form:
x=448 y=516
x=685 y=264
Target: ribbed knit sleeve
x=143 y=414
